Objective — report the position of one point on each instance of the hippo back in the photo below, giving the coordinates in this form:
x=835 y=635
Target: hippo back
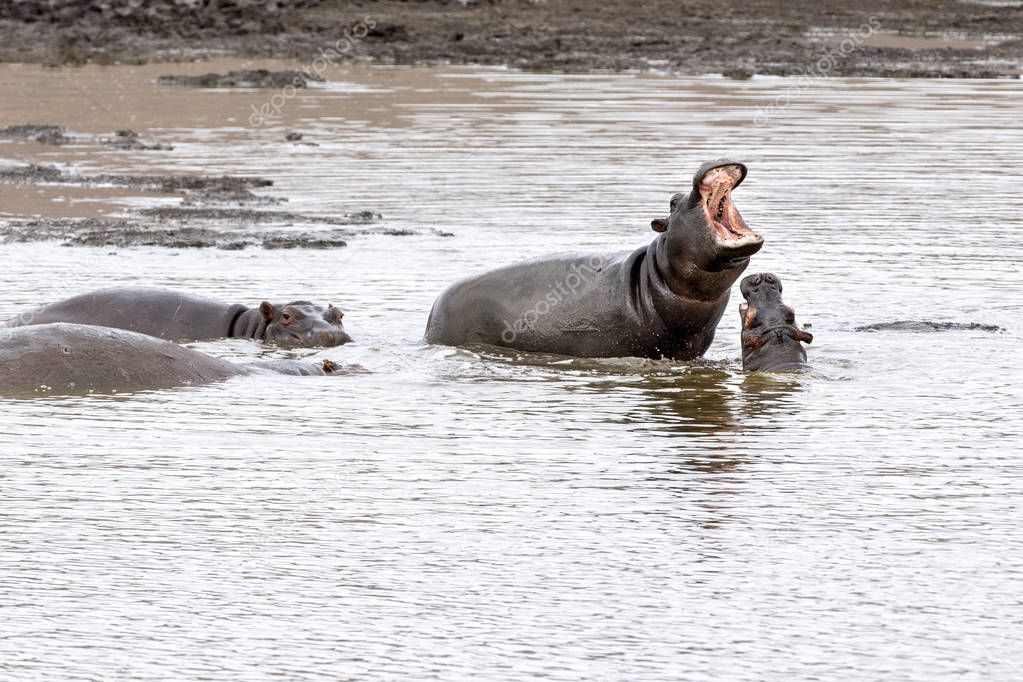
x=73 y=359
x=166 y=314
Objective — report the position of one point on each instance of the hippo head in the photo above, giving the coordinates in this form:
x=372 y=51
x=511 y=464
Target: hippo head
x=770 y=337
x=302 y=323
x=704 y=227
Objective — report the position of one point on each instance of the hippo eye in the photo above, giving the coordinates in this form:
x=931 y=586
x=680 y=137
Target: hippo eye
x=286 y=318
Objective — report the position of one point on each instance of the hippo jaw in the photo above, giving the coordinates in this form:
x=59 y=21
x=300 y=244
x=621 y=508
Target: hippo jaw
x=734 y=242
x=770 y=337
x=707 y=238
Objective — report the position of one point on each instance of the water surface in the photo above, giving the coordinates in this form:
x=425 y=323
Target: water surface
x=456 y=514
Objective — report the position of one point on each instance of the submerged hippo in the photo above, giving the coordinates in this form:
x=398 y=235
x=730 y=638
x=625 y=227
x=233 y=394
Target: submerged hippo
x=76 y=358
x=771 y=341
x=661 y=300
x=176 y=316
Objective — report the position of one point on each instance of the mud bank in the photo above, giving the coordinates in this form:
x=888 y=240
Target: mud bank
x=195 y=188
x=915 y=38
x=248 y=78
x=248 y=215
x=118 y=232
x=58 y=135
x=214 y=212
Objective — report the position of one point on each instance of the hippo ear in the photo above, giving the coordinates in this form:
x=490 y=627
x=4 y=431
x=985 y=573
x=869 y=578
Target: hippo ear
x=800 y=335
x=659 y=224
x=267 y=311
x=333 y=314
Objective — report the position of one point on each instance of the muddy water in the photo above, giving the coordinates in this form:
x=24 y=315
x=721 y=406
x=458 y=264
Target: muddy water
x=459 y=515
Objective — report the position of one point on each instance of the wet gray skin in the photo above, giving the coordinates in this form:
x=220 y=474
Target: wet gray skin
x=177 y=316
x=66 y=358
x=664 y=299
x=771 y=341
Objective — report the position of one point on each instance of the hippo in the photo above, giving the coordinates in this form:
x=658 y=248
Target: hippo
x=664 y=299
x=62 y=358
x=771 y=341
x=177 y=316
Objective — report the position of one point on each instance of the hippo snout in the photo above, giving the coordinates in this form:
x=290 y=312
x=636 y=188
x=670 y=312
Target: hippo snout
x=339 y=338
x=759 y=282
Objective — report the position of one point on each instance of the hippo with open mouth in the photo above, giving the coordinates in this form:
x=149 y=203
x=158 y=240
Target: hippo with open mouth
x=77 y=359
x=664 y=299
x=177 y=316
x=771 y=341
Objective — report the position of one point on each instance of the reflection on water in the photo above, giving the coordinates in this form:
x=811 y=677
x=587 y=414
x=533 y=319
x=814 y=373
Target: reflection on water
x=478 y=514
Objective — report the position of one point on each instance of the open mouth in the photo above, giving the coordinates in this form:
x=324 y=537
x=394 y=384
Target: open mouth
x=730 y=229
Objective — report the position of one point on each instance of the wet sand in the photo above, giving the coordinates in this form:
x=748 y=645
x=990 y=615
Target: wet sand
x=916 y=38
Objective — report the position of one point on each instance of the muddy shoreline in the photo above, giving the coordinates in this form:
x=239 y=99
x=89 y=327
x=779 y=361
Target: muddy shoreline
x=915 y=38
x=214 y=212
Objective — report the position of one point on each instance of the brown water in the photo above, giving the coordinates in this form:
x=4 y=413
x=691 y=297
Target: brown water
x=456 y=515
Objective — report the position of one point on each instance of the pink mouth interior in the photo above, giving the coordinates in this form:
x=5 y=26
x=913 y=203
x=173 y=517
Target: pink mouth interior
x=716 y=194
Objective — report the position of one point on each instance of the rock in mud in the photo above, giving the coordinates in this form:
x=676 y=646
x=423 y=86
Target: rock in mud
x=129 y=139
x=31 y=174
x=253 y=78
x=739 y=73
x=222 y=196
x=43 y=134
x=297 y=138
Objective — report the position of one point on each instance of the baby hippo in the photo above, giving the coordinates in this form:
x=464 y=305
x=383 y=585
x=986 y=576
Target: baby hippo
x=177 y=316
x=770 y=337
